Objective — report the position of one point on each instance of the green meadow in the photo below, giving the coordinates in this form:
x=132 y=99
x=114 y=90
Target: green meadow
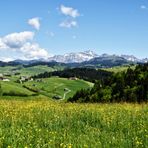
x=44 y=123
x=55 y=86
x=117 y=69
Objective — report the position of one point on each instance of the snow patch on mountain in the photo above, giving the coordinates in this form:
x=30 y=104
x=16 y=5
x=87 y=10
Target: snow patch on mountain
x=74 y=57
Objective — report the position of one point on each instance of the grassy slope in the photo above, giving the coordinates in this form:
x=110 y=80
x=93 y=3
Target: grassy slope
x=49 y=87
x=14 y=88
x=35 y=70
x=55 y=86
x=49 y=124
x=118 y=68
x=6 y=69
x=29 y=71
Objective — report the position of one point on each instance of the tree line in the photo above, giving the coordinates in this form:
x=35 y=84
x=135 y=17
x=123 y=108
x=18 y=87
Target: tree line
x=88 y=74
x=129 y=86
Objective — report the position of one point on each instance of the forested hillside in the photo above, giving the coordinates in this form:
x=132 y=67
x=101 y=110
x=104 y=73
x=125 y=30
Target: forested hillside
x=81 y=73
x=129 y=86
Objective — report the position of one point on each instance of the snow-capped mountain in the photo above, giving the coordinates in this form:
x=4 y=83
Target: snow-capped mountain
x=134 y=59
x=74 y=57
x=131 y=58
x=87 y=57
x=145 y=60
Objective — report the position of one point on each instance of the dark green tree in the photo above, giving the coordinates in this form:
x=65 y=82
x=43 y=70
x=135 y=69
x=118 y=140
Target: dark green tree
x=1 y=91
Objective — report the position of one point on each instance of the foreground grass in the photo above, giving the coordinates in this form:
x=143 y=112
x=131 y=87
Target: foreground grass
x=44 y=123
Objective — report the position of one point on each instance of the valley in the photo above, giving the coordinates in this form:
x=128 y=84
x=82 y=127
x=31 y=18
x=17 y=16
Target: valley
x=20 y=84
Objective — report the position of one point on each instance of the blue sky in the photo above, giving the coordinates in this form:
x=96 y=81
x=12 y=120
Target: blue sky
x=32 y=29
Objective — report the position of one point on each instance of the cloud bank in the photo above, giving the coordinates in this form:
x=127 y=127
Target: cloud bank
x=23 y=44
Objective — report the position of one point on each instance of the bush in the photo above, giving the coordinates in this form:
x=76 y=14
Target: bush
x=1 y=91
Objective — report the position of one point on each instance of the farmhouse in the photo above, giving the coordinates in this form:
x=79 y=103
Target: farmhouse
x=25 y=79
x=1 y=76
x=73 y=78
x=3 y=79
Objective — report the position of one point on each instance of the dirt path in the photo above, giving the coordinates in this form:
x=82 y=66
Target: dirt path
x=64 y=96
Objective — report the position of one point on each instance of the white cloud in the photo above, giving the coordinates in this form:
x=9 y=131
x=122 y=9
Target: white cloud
x=6 y=59
x=34 y=22
x=143 y=7
x=72 y=14
x=33 y=51
x=22 y=44
x=68 y=24
x=69 y=11
x=2 y=45
x=16 y=40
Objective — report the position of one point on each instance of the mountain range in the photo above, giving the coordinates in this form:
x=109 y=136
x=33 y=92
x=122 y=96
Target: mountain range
x=86 y=58
x=90 y=55
x=74 y=57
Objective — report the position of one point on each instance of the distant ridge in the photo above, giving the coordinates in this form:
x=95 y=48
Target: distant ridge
x=80 y=59
x=74 y=57
x=88 y=55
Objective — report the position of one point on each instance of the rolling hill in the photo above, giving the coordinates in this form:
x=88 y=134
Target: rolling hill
x=14 y=89
x=57 y=88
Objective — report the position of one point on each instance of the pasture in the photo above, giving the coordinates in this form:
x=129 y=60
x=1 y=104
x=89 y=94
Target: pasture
x=14 y=89
x=56 y=86
x=45 y=123
x=53 y=88
x=29 y=71
x=117 y=69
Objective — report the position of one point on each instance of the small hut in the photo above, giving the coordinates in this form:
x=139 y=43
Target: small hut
x=73 y=78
